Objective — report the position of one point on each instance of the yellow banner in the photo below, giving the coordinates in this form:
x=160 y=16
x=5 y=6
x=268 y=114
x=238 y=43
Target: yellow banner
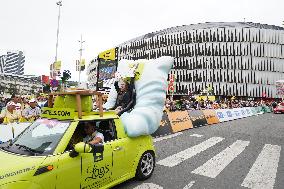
x=58 y=113
x=108 y=54
x=83 y=62
x=57 y=65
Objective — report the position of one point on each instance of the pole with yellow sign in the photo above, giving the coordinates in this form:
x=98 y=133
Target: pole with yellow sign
x=81 y=49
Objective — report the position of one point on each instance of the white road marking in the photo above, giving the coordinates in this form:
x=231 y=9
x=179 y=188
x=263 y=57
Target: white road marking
x=177 y=158
x=263 y=172
x=167 y=137
x=215 y=165
x=189 y=185
x=196 y=135
x=148 y=186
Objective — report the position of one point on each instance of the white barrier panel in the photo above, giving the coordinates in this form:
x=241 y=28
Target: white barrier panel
x=243 y=112
x=224 y=115
x=19 y=127
x=237 y=113
x=253 y=111
x=248 y=111
x=5 y=133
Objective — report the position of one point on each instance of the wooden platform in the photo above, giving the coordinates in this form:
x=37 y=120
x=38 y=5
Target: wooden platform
x=78 y=94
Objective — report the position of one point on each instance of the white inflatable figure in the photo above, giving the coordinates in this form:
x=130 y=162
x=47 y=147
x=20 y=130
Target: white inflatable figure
x=151 y=87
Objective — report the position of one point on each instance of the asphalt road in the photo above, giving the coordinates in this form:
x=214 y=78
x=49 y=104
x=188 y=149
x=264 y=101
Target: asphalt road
x=244 y=153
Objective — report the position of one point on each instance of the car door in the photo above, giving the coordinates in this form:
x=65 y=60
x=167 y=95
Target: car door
x=85 y=170
x=123 y=154
x=68 y=171
x=97 y=167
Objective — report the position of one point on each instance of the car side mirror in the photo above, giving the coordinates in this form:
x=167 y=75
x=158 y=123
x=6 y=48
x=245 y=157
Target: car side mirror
x=80 y=147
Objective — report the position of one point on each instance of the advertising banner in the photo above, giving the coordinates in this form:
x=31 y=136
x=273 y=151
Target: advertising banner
x=259 y=110
x=197 y=118
x=243 y=112
x=224 y=115
x=268 y=109
x=253 y=110
x=237 y=113
x=5 y=132
x=106 y=71
x=280 y=87
x=179 y=121
x=248 y=111
x=164 y=128
x=108 y=54
x=210 y=116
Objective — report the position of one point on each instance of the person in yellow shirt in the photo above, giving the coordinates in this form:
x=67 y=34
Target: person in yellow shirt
x=10 y=113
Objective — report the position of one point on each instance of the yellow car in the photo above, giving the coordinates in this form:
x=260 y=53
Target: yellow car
x=50 y=153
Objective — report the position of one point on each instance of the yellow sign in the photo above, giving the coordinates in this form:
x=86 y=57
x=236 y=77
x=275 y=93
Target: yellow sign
x=139 y=71
x=57 y=65
x=108 y=54
x=58 y=113
x=82 y=63
x=204 y=98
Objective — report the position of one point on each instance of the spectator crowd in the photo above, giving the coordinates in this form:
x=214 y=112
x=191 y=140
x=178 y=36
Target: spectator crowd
x=21 y=108
x=192 y=104
x=27 y=109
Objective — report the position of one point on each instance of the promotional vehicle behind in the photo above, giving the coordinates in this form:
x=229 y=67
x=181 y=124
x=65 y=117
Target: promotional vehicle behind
x=50 y=153
x=279 y=108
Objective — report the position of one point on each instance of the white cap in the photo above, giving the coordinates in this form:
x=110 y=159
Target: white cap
x=11 y=103
x=32 y=100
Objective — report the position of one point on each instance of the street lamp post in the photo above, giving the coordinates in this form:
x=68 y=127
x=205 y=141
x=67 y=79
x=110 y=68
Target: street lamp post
x=81 y=49
x=59 y=4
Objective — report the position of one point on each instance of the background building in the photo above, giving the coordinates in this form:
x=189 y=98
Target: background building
x=12 y=63
x=20 y=84
x=234 y=59
x=2 y=63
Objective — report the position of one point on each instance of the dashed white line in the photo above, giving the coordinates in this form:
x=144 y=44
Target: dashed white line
x=167 y=137
x=263 y=172
x=178 y=158
x=215 y=165
x=148 y=186
x=189 y=185
x=196 y=135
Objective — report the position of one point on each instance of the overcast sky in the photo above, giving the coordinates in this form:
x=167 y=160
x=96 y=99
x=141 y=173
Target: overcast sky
x=31 y=25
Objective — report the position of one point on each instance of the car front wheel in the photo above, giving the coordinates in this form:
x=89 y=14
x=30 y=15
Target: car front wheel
x=146 y=166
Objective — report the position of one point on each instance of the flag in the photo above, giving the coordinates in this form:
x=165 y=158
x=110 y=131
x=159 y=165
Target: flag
x=82 y=65
x=108 y=54
x=45 y=79
x=171 y=87
x=57 y=65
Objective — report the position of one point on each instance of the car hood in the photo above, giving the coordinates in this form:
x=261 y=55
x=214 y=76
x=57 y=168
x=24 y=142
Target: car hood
x=14 y=167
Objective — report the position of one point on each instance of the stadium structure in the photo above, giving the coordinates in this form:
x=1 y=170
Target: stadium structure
x=241 y=59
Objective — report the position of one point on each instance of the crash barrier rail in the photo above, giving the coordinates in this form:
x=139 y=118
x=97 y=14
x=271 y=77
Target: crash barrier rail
x=177 y=121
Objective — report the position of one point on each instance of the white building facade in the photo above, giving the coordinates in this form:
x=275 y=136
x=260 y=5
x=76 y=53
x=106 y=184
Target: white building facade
x=236 y=59
x=20 y=84
x=12 y=63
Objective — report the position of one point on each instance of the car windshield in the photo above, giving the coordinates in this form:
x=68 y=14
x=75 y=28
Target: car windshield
x=41 y=137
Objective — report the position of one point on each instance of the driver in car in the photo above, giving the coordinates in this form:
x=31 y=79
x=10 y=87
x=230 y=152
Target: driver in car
x=93 y=136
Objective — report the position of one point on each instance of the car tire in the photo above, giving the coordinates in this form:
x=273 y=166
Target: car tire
x=145 y=166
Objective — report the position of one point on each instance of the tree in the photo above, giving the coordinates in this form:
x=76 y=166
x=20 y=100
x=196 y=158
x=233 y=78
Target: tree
x=65 y=76
x=46 y=88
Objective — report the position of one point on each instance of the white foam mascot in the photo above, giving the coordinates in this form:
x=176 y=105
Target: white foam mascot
x=151 y=86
